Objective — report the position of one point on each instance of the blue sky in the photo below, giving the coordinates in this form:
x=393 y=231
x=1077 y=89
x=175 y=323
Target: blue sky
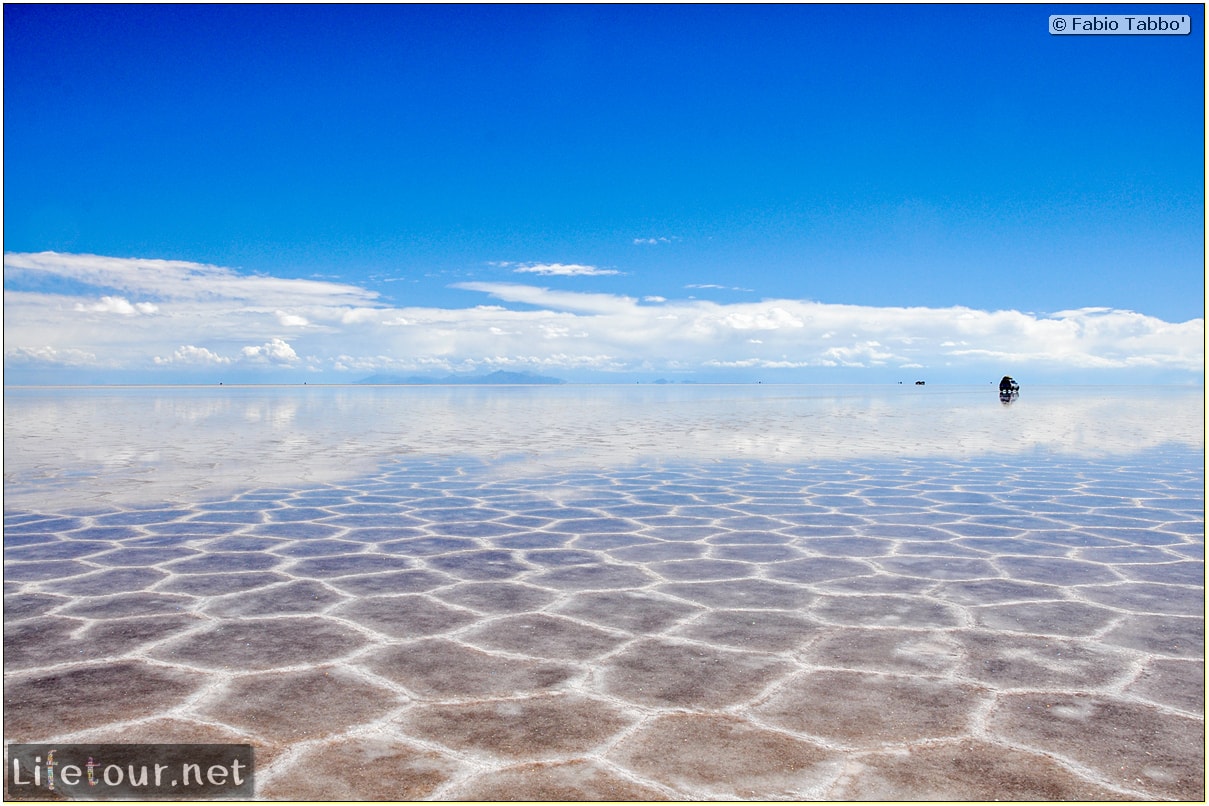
x=613 y=193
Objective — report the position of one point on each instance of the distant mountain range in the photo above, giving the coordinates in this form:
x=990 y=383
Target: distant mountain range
x=499 y=377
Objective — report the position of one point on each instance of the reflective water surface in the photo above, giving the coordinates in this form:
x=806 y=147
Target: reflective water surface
x=614 y=593
x=148 y=443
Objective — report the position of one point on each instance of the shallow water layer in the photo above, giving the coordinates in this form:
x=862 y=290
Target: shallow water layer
x=71 y=446
x=649 y=599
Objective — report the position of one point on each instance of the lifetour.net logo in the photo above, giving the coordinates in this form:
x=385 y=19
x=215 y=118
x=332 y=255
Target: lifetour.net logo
x=126 y=771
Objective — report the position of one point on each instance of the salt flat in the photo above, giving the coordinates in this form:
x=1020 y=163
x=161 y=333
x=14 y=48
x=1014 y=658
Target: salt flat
x=610 y=593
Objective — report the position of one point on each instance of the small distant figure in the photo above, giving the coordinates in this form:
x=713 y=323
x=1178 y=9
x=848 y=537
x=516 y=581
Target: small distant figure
x=919 y=383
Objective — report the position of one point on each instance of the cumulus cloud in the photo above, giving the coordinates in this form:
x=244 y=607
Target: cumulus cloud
x=274 y=351
x=266 y=322
x=188 y=355
x=562 y=270
x=45 y=354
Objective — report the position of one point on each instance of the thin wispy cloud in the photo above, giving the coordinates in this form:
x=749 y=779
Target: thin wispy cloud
x=167 y=280
x=716 y=286
x=254 y=321
x=554 y=299
x=118 y=305
x=563 y=270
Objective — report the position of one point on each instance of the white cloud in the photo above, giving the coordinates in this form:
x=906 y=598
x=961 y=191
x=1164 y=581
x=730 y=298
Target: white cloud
x=274 y=351
x=559 y=300
x=764 y=319
x=188 y=355
x=118 y=305
x=857 y=355
x=653 y=241
x=265 y=322
x=561 y=269
x=45 y=354
x=165 y=280
x=716 y=286
x=354 y=316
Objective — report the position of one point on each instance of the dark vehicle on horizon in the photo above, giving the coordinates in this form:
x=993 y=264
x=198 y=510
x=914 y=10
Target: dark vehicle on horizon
x=1009 y=390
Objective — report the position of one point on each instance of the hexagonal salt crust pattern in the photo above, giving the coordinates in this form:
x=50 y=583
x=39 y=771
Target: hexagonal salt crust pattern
x=871 y=630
